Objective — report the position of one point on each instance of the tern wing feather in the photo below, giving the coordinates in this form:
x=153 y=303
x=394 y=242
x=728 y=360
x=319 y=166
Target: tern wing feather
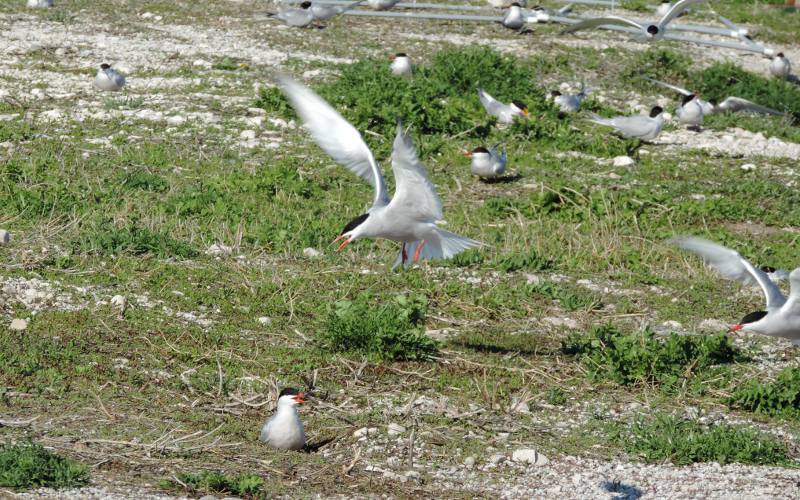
x=676 y=11
x=793 y=304
x=602 y=21
x=414 y=192
x=731 y=265
x=492 y=105
x=735 y=104
x=677 y=89
x=335 y=135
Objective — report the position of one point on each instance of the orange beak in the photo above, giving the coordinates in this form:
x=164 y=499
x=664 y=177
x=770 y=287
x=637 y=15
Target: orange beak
x=300 y=398
x=735 y=328
x=341 y=237
x=525 y=112
x=468 y=154
x=392 y=57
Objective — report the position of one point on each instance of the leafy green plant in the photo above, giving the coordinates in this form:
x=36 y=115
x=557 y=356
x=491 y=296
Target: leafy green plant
x=247 y=486
x=556 y=396
x=778 y=398
x=659 y=64
x=568 y=299
x=529 y=261
x=133 y=239
x=683 y=442
x=642 y=358
x=30 y=465
x=389 y=331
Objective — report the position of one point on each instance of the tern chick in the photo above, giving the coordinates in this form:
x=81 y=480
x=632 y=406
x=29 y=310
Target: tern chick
x=108 y=79
x=284 y=430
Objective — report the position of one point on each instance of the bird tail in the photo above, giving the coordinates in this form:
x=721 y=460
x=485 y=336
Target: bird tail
x=595 y=118
x=440 y=245
x=351 y=6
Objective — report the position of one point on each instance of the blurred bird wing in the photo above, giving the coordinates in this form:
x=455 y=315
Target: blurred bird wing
x=602 y=21
x=414 y=192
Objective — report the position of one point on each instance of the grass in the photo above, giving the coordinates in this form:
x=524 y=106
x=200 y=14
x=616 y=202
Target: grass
x=780 y=398
x=247 y=486
x=29 y=465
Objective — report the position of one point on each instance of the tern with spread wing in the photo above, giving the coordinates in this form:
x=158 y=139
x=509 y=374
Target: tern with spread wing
x=782 y=315
x=411 y=216
x=728 y=105
x=504 y=113
x=650 y=31
x=641 y=127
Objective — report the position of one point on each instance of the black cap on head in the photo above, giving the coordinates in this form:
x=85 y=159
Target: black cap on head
x=480 y=149
x=401 y=54
x=515 y=4
x=354 y=223
x=520 y=104
x=288 y=392
x=687 y=98
x=652 y=29
x=555 y=93
x=657 y=110
x=305 y=5
x=753 y=317
x=779 y=54
x=105 y=66
x=768 y=269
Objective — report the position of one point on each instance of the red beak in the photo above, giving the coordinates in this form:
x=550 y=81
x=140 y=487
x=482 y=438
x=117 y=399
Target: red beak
x=468 y=154
x=300 y=398
x=736 y=327
x=392 y=57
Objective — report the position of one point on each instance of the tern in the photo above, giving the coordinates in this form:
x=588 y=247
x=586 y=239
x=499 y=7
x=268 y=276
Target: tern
x=641 y=127
x=513 y=17
x=487 y=163
x=780 y=66
x=108 y=79
x=410 y=217
x=322 y=12
x=401 y=65
x=298 y=18
x=284 y=430
x=728 y=105
x=650 y=31
x=504 y=113
x=39 y=4
x=690 y=112
x=382 y=4
x=569 y=103
x=782 y=315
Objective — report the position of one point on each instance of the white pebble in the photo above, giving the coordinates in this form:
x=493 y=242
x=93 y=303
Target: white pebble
x=623 y=161
x=530 y=456
x=18 y=325
x=311 y=252
x=395 y=429
x=265 y=320
x=5 y=237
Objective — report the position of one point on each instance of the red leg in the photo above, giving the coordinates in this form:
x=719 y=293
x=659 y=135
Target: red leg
x=419 y=249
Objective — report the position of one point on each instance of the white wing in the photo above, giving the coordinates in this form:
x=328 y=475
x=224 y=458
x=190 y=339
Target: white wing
x=676 y=11
x=793 y=304
x=734 y=104
x=492 y=105
x=335 y=135
x=414 y=192
x=732 y=266
x=602 y=21
x=677 y=89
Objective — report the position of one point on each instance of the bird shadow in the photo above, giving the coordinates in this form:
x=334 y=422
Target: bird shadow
x=316 y=446
x=625 y=491
x=502 y=180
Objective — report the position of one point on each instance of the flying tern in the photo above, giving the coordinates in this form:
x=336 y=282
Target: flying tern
x=690 y=111
x=108 y=79
x=782 y=315
x=641 y=127
x=401 y=65
x=728 y=105
x=569 y=103
x=323 y=12
x=487 y=163
x=650 y=31
x=411 y=216
x=298 y=18
x=780 y=66
x=504 y=113
x=284 y=430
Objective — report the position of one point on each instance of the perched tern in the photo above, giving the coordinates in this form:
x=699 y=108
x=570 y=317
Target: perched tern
x=728 y=105
x=650 y=31
x=39 y=4
x=323 y=12
x=782 y=315
x=513 y=17
x=298 y=18
x=690 y=112
x=401 y=65
x=382 y=4
x=641 y=127
x=504 y=113
x=108 y=79
x=569 y=103
x=284 y=430
x=410 y=217
x=780 y=66
x=487 y=163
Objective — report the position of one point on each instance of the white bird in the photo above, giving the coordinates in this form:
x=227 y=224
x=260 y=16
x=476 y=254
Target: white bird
x=504 y=113
x=487 y=163
x=39 y=4
x=284 y=430
x=663 y=8
x=690 y=112
x=641 y=127
x=298 y=18
x=410 y=217
x=650 y=31
x=728 y=105
x=401 y=65
x=108 y=79
x=513 y=17
x=780 y=66
x=782 y=315
x=322 y=12
x=382 y=4
x=569 y=103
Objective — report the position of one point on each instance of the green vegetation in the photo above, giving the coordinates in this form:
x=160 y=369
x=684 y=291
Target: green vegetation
x=247 y=486
x=30 y=465
x=779 y=398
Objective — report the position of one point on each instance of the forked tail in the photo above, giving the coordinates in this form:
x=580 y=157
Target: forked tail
x=440 y=245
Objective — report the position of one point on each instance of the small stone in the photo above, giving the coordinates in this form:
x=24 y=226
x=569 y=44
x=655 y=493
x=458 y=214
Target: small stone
x=530 y=456
x=497 y=458
x=208 y=497
x=247 y=135
x=748 y=167
x=365 y=431
x=469 y=461
x=712 y=325
x=18 y=324
x=219 y=249
x=672 y=325
x=623 y=161
x=265 y=320
x=5 y=237
x=533 y=279
x=311 y=252
x=202 y=63
x=395 y=429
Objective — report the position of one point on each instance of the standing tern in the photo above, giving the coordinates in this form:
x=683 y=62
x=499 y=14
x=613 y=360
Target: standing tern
x=108 y=79
x=513 y=17
x=728 y=105
x=569 y=103
x=323 y=12
x=487 y=163
x=641 y=127
x=382 y=4
x=284 y=430
x=650 y=31
x=780 y=66
x=410 y=217
x=298 y=18
x=782 y=315
x=690 y=111
x=504 y=113
x=401 y=65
